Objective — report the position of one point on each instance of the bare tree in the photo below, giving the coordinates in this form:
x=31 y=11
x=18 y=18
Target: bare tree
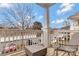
x=19 y=16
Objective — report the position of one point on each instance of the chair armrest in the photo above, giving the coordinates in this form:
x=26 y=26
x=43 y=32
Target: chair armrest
x=69 y=45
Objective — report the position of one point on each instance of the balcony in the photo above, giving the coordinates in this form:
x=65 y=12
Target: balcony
x=13 y=42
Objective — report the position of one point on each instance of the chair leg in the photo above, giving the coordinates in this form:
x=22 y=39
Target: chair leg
x=68 y=53
x=56 y=52
x=74 y=53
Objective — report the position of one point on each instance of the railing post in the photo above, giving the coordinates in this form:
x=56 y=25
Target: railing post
x=42 y=37
x=46 y=28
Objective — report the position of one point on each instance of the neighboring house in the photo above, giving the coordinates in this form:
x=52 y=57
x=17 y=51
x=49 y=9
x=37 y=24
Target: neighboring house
x=1 y=27
x=65 y=28
x=54 y=30
x=74 y=21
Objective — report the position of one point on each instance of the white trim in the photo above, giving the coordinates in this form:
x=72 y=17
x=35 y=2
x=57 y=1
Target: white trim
x=39 y=1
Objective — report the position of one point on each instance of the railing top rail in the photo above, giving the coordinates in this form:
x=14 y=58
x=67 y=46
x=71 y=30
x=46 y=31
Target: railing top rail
x=27 y=30
x=67 y=31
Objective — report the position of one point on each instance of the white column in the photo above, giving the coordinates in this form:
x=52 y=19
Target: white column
x=46 y=28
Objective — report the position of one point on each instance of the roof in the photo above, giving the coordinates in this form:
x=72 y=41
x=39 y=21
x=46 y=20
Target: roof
x=74 y=17
x=1 y=27
x=66 y=27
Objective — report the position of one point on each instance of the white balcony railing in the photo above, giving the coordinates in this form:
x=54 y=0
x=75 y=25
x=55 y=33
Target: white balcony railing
x=21 y=38
x=62 y=36
x=11 y=40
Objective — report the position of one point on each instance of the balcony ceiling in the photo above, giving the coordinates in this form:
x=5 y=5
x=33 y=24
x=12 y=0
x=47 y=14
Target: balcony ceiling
x=45 y=5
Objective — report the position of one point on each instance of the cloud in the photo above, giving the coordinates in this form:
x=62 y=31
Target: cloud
x=65 y=5
x=58 y=21
x=27 y=18
x=35 y=14
x=18 y=23
x=40 y=17
x=64 y=8
x=5 y=5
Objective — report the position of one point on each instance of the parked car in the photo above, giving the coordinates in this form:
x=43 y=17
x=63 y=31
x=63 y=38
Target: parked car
x=10 y=47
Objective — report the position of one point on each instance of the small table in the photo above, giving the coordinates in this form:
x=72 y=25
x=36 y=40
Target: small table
x=36 y=50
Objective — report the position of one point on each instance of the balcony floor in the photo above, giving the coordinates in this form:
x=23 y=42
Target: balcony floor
x=50 y=52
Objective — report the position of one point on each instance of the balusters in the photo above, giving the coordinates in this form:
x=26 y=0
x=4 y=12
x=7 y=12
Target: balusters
x=3 y=41
x=19 y=37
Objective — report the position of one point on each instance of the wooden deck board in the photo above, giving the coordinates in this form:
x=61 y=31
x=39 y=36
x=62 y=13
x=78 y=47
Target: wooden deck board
x=50 y=52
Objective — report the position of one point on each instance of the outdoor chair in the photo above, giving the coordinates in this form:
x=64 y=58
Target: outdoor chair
x=71 y=48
